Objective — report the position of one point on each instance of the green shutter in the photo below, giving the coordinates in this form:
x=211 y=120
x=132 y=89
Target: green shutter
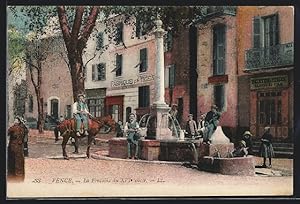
x=119 y=65
x=172 y=76
x=93 y=72
x=256 y=32
x=143 y=60
x=138 y=27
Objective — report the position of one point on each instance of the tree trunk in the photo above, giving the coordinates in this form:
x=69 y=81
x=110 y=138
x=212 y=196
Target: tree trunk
x=77 y=72
x=41 y=117
x=75 y=40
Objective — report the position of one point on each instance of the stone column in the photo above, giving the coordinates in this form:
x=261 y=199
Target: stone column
x=160 y=109
x=159 y=82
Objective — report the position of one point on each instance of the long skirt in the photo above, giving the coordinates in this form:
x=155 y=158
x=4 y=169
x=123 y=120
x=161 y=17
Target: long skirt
x=267 y=150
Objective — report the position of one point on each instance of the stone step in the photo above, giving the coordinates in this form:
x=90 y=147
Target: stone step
x=275 y=144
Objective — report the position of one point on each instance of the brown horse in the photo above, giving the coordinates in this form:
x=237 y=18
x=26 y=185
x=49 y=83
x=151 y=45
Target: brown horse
x=15 y=154
x=67 y=128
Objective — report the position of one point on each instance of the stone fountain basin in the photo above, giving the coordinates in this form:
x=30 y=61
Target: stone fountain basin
x=241 y=166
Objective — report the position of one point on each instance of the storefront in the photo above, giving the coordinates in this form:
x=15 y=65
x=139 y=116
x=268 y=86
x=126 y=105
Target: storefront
x=270 y=105
x=95 y=100
x=114 y=106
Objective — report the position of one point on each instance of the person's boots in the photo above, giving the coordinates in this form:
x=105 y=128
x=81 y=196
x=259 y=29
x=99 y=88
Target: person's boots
x=26 y=149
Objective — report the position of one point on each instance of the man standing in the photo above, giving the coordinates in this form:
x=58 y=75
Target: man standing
x=211 y=123
x=131 y=130
x=80 y=112
x=191 y=127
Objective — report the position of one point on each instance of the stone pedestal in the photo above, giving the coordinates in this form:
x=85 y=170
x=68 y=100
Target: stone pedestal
x=218 y=137
x=117 y=148
x=221 y=150
x=149 y=149
x=162 y=131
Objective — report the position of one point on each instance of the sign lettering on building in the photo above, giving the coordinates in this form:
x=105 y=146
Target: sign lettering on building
x=269 y=82
x=130 y=83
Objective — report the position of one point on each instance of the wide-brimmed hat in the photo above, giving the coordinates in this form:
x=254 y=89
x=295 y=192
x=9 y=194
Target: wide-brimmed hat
x=80 y=94
x=242 y=142
x=190 y=115
x=247 y=133
x=267 y=128
x=174 y=104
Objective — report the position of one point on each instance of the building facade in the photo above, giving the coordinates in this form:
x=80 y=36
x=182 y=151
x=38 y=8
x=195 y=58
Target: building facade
x=217 y=65
x=56 y=88
x=265 y=69
x=124 y=72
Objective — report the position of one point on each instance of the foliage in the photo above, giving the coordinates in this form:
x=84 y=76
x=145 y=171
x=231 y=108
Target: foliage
x=15 y=50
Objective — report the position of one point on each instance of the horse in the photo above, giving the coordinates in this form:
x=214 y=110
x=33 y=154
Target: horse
x=15 y=154
x=67 y=128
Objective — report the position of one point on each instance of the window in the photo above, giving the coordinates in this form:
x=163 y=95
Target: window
x=119 y=33
x=100 y=41
x=143 y=60
x=144 y=96
x=270 y=108
x=219 y=50
x=140 y=28
x=30 y=104
x=119 y=59
x=265 y=31
x=172 y=76
x=168 y=41
x=98 y=72
x=219 y=96
x=96 y=107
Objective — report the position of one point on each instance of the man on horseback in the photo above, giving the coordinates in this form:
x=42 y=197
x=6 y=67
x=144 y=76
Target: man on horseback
x=81 y=113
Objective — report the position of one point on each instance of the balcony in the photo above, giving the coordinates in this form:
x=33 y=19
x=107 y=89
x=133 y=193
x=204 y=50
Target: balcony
x=269 y=57
x=210 y=12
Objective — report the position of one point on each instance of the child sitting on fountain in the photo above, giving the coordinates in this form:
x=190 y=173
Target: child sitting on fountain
x=241 y=150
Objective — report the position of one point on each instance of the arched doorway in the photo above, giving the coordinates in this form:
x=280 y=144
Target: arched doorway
x=54 y=108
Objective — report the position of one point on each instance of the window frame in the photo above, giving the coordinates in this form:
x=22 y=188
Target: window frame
x=144 y=93
x=217 y=46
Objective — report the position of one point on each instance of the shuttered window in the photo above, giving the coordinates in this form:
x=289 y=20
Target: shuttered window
x=144 y=96
x=143 y=60
x=119 y=33
x=99 y=41
x=265 y=31
x=172 y=76
x=98 y=72
x=168 y=41
x=119 y=60
x=219 y=50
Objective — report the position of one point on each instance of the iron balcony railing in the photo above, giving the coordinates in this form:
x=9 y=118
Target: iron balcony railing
x=268 y=57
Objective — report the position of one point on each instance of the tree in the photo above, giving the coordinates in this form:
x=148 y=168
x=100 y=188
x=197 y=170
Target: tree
x=77 y=23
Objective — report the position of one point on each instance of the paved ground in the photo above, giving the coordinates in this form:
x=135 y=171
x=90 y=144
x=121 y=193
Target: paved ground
x=48 y=175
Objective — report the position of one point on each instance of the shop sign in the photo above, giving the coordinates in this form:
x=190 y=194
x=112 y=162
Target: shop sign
x=280 y=81
x=129 y=83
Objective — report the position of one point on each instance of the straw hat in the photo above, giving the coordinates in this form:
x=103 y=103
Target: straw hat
x=242 y=142
x=214 y=107
x=81 y=94
x=247 y=133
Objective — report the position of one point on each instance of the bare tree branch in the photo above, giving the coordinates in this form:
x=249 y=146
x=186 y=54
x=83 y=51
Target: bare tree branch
x=77 y=22
x=63 y=21
x=90 y=24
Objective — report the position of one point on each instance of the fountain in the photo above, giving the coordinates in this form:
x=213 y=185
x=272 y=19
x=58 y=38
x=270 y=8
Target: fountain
x=162 y=137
